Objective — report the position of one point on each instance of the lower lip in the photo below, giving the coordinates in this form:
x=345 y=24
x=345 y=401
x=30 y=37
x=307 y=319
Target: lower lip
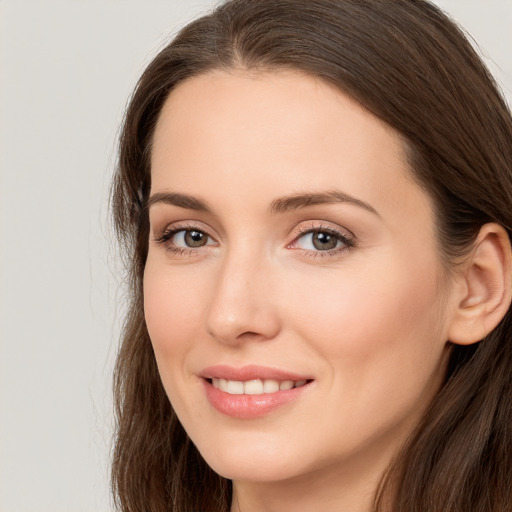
x=250 y=406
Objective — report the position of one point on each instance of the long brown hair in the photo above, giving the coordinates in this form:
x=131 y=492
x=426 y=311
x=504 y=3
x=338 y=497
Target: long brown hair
x=408 y=64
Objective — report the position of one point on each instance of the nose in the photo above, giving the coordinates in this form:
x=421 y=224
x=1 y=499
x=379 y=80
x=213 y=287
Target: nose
x=242 y=307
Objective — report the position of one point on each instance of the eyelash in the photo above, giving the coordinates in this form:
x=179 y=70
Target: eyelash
x=165 y=237
x=348 y=243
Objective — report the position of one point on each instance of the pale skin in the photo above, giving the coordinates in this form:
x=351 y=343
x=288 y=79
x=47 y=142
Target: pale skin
x=366 y=314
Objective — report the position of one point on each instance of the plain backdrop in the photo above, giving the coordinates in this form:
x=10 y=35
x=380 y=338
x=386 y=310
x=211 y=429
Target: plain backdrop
x=66 y=70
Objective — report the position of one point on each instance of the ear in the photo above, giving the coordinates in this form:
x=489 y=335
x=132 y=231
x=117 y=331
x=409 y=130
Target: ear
x=483 y=287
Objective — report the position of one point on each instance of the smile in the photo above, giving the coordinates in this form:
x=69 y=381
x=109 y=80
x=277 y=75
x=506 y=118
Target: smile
x=252 y=391
x=255 y=386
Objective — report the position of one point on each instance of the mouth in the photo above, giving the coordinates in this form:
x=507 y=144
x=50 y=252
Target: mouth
x=255 y=386
x=253 y=391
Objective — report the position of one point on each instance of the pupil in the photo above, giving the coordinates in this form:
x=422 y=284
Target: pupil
x=324 y=241
x=195 y=238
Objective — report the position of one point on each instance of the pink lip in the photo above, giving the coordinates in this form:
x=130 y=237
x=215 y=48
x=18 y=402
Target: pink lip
x=250 y=372
x=250 y=406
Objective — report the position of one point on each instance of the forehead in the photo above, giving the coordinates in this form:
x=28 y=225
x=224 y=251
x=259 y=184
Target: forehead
x=278 y=133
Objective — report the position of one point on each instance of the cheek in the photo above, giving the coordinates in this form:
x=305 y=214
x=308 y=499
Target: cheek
x=171 y=309
x=373 y=322
x=382 y=341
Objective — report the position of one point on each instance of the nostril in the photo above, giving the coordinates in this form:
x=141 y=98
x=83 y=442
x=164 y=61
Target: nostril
x=248 y=335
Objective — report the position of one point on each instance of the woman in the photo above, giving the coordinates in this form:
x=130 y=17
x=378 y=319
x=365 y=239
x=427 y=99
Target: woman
x=314 y=198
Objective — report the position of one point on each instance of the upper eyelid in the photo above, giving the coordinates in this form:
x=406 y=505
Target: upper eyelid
x=312 y=227
x=347 y=240
x=297 y=231
x=184 y=226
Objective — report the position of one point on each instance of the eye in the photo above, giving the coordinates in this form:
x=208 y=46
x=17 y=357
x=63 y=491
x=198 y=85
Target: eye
x=189 y=238
x=181 y=238
x=319 y=240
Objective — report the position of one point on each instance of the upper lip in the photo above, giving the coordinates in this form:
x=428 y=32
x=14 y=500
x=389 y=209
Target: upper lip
x=250 y=372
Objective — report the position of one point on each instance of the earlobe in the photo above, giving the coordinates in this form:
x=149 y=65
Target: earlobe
x=484 y=287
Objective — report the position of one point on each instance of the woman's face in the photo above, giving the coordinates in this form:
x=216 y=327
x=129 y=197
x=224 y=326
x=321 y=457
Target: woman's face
x=290 y=248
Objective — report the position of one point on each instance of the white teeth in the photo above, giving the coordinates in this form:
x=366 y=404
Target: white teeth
x=285 y=385
x=270 y=386
x=254 y=387
x=235 y=387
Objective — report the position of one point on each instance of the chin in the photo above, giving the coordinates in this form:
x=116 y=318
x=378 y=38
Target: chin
x=255 y=462
x=254 y=471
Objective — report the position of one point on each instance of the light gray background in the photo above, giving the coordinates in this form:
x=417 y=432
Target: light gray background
x=66 y=70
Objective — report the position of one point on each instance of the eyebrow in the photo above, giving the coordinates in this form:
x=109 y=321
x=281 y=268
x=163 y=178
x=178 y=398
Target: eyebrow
x=280 y=205
x=180 y=200
x=297 y=201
